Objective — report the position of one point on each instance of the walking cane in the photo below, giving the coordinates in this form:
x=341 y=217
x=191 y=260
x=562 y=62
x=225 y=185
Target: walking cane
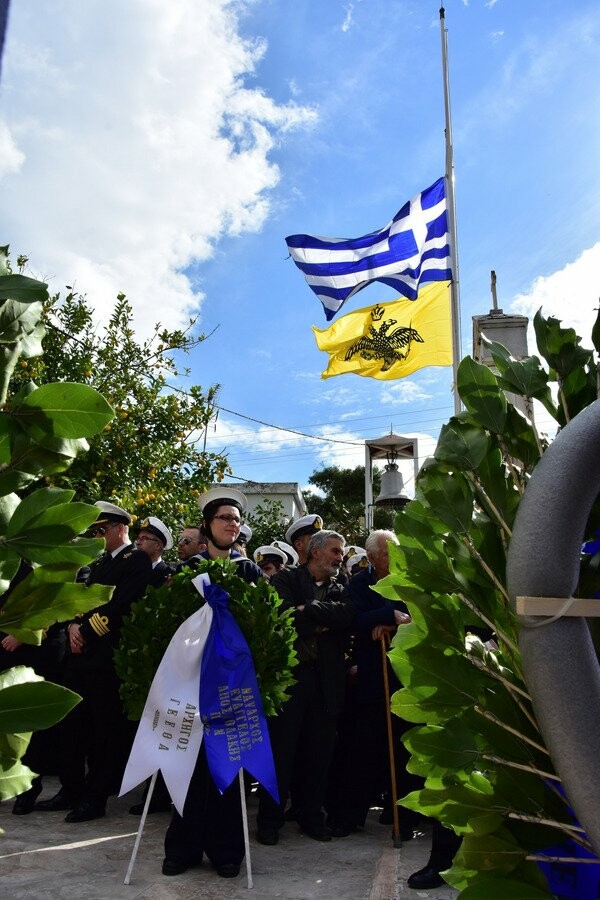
x=385 y=645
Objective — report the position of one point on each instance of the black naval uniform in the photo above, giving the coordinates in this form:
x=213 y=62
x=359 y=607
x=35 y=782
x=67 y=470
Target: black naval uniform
x=192 y=562
x=160 y=573
x=96 y=729
x=211 y=821
x=305 y=727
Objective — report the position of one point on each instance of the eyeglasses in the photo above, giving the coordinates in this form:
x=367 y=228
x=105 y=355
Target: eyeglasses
x=141 y=538
x=185 y=541
x=101 y=530
x=227 y=517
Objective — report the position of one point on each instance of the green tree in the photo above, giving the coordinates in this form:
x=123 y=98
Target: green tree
x=42 y=430
x=150 y=458
x=268 y=523
x=341 y=501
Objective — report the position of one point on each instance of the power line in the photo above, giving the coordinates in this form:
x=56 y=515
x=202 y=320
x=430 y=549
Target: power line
x=314 y=437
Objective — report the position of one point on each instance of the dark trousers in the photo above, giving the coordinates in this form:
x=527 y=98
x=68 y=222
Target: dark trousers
x=95 y=732
x=360 y=773
x=302 y=739
x=43 y=753
x=444 y=846
x=211 y=822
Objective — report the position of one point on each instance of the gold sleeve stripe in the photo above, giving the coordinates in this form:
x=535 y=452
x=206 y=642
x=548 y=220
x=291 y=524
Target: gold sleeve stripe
x=99 y=624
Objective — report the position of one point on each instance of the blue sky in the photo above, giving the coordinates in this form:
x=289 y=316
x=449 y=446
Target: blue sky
x=167 y=150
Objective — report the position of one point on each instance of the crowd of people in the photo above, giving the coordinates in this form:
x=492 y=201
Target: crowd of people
x=329 y=740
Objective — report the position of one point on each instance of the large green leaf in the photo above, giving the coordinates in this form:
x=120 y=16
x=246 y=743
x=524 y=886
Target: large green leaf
x=22 y=288
x=30 y=459
x=17 y=319
x=6 y=429
x=13 y=746
x=15 y=778
x=33 y=505
x=481 y=394
x=80 y=551
x=450 y=496
x=64 y=410
x=560 y=347
x=452 y=746
x=461 y=445
x=408 y=705
x=525 y=377
x=580 y=388
x=33 y=706
x=468 y=810
x=31 y=344
x=490 y=887
x=440 y=619
x=489 y=852
x=55 y=525
x=9 y=566
x=37 y=603
x=496 y=485
x=8 y=505
x=519 y=439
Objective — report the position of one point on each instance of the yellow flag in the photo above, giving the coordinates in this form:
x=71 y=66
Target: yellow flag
x=391 y=340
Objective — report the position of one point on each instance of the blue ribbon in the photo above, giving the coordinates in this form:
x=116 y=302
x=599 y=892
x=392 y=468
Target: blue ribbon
x=235 y=727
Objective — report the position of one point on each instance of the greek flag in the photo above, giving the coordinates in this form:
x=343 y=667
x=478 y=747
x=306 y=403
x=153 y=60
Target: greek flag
x=413 y=249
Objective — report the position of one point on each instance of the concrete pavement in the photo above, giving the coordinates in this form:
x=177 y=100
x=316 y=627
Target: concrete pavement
x=41 y=856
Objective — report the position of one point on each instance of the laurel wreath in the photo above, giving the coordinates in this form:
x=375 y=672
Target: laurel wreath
x=153 y=620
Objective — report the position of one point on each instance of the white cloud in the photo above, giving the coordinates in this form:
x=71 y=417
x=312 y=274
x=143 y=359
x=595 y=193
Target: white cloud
x=11 y=158
x=571 y=294
x=338 y=395
x=402 y=392
x=131 y=139
x=347 y=454
x=239 y=437
x=348 y=20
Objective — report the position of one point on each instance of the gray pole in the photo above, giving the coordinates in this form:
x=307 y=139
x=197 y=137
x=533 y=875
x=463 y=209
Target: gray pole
x=451 y=212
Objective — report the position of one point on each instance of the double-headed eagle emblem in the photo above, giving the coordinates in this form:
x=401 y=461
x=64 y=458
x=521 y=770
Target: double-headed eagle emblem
x=378 y=344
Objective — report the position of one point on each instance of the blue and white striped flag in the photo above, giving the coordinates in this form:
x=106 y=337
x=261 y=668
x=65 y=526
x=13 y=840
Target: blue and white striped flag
x=414 y=248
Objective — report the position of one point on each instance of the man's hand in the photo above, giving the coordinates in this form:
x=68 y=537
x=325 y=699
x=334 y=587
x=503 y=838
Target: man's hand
x=10 y=643
x=76 y=639
x=400 y=618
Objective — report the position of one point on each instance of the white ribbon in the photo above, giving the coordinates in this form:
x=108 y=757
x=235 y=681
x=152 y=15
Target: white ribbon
x=170 y=731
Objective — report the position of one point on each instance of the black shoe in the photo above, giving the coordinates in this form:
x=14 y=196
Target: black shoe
x=228 y=870
x=406 y=834
x=317 y=832
x=58 y=803
x=425 y=878
x=25 y=802
x=85 y=812
x=177 y=866
x=267 y=835
x=161 y=806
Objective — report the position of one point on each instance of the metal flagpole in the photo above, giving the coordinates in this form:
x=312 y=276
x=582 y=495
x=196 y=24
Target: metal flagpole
x=455 y=283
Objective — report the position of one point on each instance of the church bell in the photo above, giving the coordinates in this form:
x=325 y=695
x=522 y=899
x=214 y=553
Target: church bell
x=392 y=487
